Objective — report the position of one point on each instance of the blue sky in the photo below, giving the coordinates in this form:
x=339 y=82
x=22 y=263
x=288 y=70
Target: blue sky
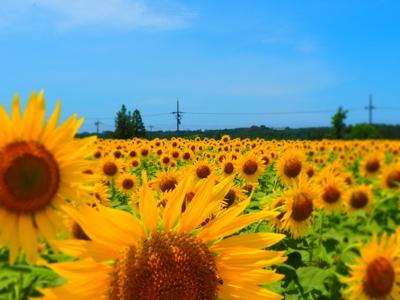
x=216 y=56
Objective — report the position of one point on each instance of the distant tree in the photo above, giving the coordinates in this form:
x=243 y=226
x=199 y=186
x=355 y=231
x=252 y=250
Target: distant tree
x=338 y=125
x=138 y=125
x=363 y=131
x=123 y=124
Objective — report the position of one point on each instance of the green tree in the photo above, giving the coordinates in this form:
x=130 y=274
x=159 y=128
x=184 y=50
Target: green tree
x=138 y=125
x=338 y=125
x=363 y=131
x=123 y=124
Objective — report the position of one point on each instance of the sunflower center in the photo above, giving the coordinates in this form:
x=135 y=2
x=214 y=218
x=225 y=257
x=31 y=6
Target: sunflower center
x=292 y=168
x=165 y=266
x=379 y=279
x=127 y=183
x=166 y=160
x=372 y=166
x=29 y=177
x=250 y=167
x=186 y=156
x=331 y=194
x=228 y=168
x=168 y=184
x=393 y=179
x=229 y=198
x=110 y=168
x=203 y=171
x=302 y=208
x=359 y=199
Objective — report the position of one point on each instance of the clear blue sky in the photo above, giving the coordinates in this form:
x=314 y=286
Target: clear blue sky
x=216 y=56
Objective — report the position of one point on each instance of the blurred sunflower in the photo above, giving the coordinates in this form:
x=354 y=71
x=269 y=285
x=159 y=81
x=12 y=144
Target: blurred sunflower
x=168 y=256
x=299 y=206
x=165 y=181
x=250 y=167
x=332 y=192
x=372 y=164
x=376 y=274
x=359 y=197
x=127 y=183
x=109 y=168
x=391 y=177
x=41 y=165
x=291 y=164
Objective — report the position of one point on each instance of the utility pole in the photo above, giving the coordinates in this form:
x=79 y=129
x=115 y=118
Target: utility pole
x=97 y=123
x=370 y=108
x=178 y=115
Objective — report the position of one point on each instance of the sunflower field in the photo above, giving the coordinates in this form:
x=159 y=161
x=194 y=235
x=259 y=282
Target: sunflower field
x=193 y=219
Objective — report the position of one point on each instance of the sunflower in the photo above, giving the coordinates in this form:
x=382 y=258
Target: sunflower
x=376 y=274
x=109 y=168
x=228 y=166
x=165 y=181
x=100 y=193
x=127 y=183
x=372 y=164
x=167 y=255
x=299 y=206
x=291 y=164
x=41 y=166
x=332 y=192
x=202 y=169
x=391 y=177
x=359 y=197
x=250 y=167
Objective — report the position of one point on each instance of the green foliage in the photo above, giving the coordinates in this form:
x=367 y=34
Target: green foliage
x=123 y=128
x=128 y=125
x=363 y=132
x=338 y=125
x=137 y=125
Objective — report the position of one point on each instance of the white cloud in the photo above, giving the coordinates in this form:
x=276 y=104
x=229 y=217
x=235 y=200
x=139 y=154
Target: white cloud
x=66 y=14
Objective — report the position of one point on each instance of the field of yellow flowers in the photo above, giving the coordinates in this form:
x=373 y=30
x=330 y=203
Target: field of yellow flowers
x=193 y=219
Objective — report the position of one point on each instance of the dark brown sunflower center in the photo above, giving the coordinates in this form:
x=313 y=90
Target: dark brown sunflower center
x=127 y=183
x=302 y=208
x=110 y=168
x=310 y=172
x=250 y=167
x=292 y=168
x=186 y=155
x=228 y=168
x=134 y=163
x=372 y=166
x=168 y=184
x=359 y=199
x=203 y=171
x=229 y=198
x=379 y=278
x=29 y=177
x=393 y=179
x=265 y=160
x=331 y=194
x=144 y=152
x=166 y=160
x=166 y=266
